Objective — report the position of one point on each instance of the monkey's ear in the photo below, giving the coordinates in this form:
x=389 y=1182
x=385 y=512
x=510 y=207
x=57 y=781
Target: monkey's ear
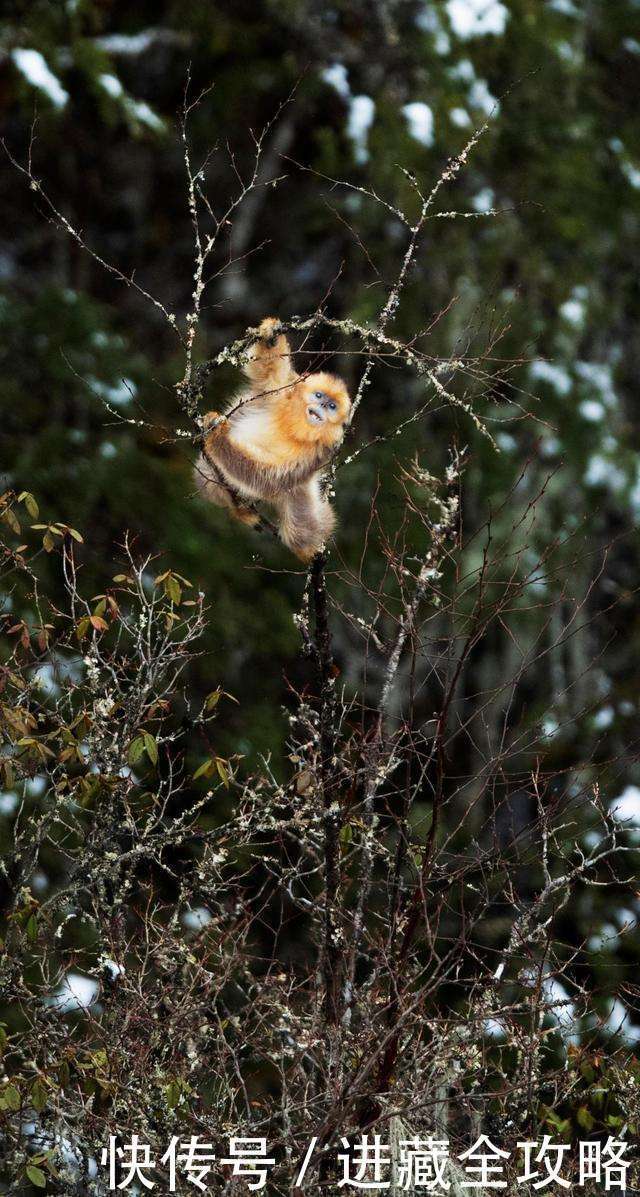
x=270 y=329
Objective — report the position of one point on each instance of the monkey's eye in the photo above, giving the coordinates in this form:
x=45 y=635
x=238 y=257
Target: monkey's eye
x=318 y=395
x=332 y=406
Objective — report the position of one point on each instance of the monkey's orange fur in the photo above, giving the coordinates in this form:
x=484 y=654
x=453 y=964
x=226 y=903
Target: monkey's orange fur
x=279 y=433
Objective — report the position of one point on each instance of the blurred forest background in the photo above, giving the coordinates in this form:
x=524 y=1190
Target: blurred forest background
x=538 y=279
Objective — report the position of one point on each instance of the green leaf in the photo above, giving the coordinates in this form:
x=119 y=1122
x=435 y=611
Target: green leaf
x=10 y=519
x=10 y=1097
x=346 y=834
x=585 y=1119
x=36 y=1176
x=32 y=929
x=151 y=747
x=223 y=772
x=614 y=1121
x=38 y=1095
x=173 y=589
x=172 y=1094
x=136 y=749
x=32 y=507
x=204 y=770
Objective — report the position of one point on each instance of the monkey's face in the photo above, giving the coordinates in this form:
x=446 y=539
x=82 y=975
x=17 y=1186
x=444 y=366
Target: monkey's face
x=326 y=406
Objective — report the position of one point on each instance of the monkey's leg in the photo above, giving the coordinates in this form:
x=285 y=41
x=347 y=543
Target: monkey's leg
x=216 y=492
x=306 y=519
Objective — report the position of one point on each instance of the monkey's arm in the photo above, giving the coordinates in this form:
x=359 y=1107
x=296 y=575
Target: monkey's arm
x=269 y=366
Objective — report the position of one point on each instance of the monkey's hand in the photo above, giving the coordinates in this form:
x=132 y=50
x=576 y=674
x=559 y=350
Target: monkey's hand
x=213 y=423
x=270 y=329
x=269 y=360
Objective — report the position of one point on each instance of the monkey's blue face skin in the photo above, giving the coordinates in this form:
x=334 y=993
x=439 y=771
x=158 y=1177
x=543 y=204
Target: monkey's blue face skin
x=322 y=408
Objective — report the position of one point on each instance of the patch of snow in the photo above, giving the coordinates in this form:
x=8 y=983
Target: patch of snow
x=561 y=1007
x=45 y=680
x=602 y=472
x=429 y=22
x=8 y=802
x=631 y=45
x=196 y=918
x=108 y=450
x=119 y=393
x=111 y=85
x=634 y=497
x=573 y=311
x=427 y=19
x=567 y=52
x=125 y=43
x=336 y=77
x=361 y=114
x=39 y=882
x=494 y=1029
x=603 y=718
x=476 y=18
x=111 y=966
x=557 y=376
x=631 y=173
x=591 y=410
x=598 y=376
x=464 y=71
x=75 y=993
x=481 y=97
x=506 y=441
x=33 y=67
x=460 y=118
x=617 y=1022
x=566 y=7
x=626 y=807
x=549 y=446
x=59 y=669
x=604 y=939
x=145 y=114
x=420 y=121
x=484 y=200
